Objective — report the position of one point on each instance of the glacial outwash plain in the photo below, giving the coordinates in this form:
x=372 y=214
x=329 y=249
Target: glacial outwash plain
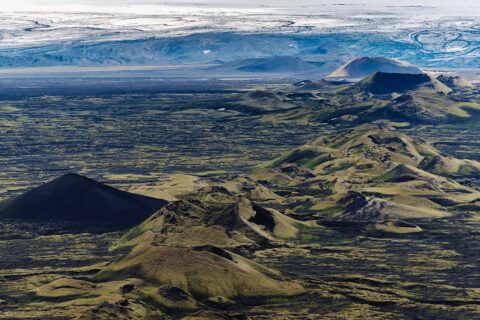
x=205 y=161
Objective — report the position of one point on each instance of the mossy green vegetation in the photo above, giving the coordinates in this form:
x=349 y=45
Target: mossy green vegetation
x=350 y=220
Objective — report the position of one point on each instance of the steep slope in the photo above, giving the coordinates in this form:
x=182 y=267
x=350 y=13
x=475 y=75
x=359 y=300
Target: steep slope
x=412 y=98
x=372 y=173
x=179 y=259
x=194 y=253
x=82 y=202
x=449 y=166
x=361 y=67
x=189 y=223
x=204 y=273
x=387 y=83
x=454 y=82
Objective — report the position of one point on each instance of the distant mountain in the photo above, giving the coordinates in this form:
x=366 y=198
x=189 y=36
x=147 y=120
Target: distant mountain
x=211 y=47
x=387 y=83
x=362 y=67
x=83 y=203
x=412 y=98
x=287 y=64
x=454 y=82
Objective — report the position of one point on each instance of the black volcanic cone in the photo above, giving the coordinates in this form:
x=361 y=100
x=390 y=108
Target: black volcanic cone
x=82 y=202
x=385 y=83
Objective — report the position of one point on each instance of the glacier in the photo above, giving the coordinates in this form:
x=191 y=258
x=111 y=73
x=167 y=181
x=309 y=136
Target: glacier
x=207 y=32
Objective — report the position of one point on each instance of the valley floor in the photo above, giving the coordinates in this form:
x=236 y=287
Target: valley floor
x=132 y=141
x=349 y=274
x=133 y=138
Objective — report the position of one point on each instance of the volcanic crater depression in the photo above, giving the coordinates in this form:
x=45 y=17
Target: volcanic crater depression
x=315 y=199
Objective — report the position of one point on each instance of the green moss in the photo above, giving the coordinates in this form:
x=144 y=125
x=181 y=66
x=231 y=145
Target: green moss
x=339 y=167
x=468 y=169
